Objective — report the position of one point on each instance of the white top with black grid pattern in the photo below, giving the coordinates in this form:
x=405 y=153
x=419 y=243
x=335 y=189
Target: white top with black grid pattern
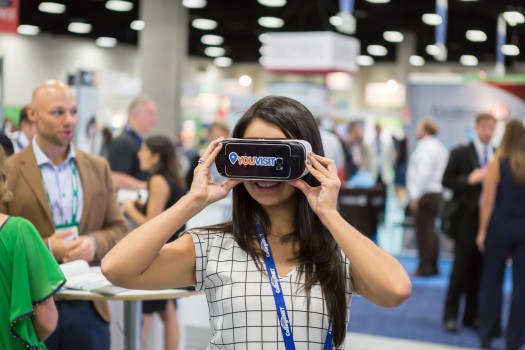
x=241 y=304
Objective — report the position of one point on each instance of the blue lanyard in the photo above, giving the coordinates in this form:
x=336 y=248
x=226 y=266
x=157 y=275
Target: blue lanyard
x=280 y=306
x=133 y=133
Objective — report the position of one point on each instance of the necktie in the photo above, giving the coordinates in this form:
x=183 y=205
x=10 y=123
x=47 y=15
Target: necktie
x=485 y=157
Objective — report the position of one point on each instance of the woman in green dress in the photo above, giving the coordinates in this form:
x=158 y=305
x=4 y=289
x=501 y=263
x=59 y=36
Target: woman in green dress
x=29 y=277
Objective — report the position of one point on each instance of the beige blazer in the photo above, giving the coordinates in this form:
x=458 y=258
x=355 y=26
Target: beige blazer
x=101 y=215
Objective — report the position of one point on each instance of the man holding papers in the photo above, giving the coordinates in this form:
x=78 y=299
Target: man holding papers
x=68 y=195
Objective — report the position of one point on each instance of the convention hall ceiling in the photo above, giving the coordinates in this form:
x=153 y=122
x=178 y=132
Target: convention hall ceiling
x=237 y=23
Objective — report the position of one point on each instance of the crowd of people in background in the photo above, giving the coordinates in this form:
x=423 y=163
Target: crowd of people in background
x=49 y=175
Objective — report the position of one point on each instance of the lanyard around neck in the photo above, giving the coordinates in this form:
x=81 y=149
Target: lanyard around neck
x=280 y=306
x=74 y=189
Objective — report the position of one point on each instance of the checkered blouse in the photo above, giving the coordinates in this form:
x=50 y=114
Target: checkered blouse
x=241 y=304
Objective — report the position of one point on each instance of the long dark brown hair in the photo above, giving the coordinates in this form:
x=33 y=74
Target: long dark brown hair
x=319 y=255
x=512 y=148
x=163 y=146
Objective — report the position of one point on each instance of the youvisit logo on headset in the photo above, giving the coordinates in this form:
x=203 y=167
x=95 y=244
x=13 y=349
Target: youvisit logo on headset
x=263 y=159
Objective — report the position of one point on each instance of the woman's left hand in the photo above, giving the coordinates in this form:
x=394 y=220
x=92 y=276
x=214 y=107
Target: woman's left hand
x=322 y=198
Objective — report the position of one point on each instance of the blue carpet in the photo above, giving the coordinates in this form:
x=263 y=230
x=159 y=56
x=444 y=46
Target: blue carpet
x=419 y=318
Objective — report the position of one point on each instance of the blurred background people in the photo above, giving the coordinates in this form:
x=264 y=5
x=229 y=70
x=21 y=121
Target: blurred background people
x=464 y=175
x=425 y=170
x=25 y=133
x=379 y=158
x=501 y=235
x=122 y=153
x=165 y=187
x=29 y=277
x=354 y=149
x=333 y=147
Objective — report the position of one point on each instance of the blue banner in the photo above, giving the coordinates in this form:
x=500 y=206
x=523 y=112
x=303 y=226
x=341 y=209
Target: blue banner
x=441 y=29
x=501 y=37
x=346 y=6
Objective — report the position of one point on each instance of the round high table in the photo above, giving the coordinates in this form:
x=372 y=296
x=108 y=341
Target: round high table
x=132 y=307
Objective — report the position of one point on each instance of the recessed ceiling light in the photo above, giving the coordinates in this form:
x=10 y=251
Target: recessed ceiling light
x=433 y=50
x=105 y=41
x=27 y=29
x=393 y=36
x=513 y=17
x=137 y=25
x=204 y=24
x=214 y=51
x=416 y=60
x=210 y=39
x=476 y=35
x=222 y=61
x=432 y=19
x=336 y=21
x=79 y=27
x=378 y=1
x=377 y=50
x=52 y=7
x=245 y=81
x=468 y=60
x=119 y=5
x=364 y=60
x=510 y=50
x=270 y=22
x=263 y=38
x=194 y=4
x=272 y=3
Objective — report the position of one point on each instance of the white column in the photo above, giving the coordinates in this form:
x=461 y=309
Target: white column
x=163 y=55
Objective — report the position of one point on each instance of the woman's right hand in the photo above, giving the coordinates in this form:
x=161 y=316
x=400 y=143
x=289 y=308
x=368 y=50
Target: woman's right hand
x=203 y=189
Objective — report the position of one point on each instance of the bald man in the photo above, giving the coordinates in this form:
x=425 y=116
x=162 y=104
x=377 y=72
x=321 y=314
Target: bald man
x=122 y=153
x=68 y=195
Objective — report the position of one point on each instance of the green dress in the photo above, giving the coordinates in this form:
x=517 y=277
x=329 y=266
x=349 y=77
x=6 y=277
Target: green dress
x=28 y=275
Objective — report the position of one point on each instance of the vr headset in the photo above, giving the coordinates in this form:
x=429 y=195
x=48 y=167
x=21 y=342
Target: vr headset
x=263 y=159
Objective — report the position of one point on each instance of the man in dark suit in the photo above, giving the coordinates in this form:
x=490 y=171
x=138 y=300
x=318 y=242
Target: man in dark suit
x=68 y=195
x=464 y=175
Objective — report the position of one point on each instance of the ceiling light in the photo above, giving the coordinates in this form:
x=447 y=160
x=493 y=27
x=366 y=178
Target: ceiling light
x=137 y=25
x=263 y=50
x=378 y=1
x=119 y=5
x=336 y=21
x=105 y=41
x=432 y=19
x=393 y=36
x=513 y=17
x=245 y=81
x=222 y=61
x=214 y=51
x=27 y=29
x=272 y=3
x=79 y=27
x=364 y=60
x=263 y=38
x=433 y=50
x=392 y=85
x=510 y=50
x=210 y=39
x=476 y=35
x=194 y=4
x=417 y=61
x=377 y=50
x=468 y=60
x=204 y=24
x=270 y=22
x=52 y=7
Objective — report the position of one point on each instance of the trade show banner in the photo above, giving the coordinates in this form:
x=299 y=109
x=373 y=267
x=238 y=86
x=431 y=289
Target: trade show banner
x=9 y=13
x=310 y=52
x=455 y=104
x=87 y=136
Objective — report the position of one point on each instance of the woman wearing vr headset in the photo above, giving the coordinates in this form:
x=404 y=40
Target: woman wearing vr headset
x=281 y=273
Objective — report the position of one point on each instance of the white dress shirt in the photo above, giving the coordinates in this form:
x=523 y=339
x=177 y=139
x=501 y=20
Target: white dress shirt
x=426 y=167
